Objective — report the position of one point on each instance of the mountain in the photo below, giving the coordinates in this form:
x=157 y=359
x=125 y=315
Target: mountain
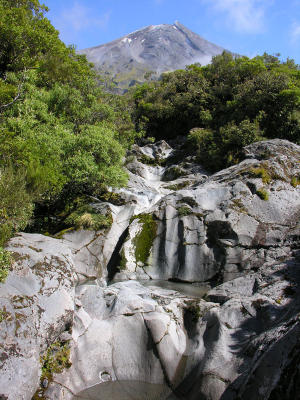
x=148 y=52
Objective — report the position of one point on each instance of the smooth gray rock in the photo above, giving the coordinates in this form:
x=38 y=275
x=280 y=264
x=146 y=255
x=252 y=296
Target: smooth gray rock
x=125 y=332
x=37 y=305
x=219 y=228
x=248 y=347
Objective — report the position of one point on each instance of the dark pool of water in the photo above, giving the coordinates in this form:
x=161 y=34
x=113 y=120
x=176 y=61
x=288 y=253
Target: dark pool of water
x=126 y=390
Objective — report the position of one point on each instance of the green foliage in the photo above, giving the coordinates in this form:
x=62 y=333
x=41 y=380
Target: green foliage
x=203 y=143
x=86 y=217
x=5 y=264
x=144 y=239
x=220 y=149
x=223 y=106
x=174 y=105
x=15 y=203
x=183 y=211
x=60 y=135
x=263 y=194
x=112 y=197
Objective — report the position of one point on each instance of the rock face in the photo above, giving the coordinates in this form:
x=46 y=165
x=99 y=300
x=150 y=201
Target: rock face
x=153 y=50
x=37 y=306
x=237 y=230
x=219 y=227
x=125 y=333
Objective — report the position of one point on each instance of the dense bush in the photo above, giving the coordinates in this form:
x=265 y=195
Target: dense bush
x=223 y=106
x=60 y=135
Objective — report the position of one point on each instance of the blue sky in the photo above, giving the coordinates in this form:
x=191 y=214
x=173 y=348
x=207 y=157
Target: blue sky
x=247 y=27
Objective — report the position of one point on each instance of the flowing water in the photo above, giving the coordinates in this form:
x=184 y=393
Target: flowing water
x=146 y=190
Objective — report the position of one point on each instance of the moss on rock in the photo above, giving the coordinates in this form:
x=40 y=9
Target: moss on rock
x=144 y=240
x=263 y=194
x=184 y=211
x=6 y=261
x=54 y=361
x=295 y=181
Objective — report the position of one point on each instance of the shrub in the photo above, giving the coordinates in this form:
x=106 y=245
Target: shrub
x=15 y=203
x=87 y=217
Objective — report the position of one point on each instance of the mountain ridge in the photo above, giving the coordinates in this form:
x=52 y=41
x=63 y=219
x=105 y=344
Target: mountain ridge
x=150 y=51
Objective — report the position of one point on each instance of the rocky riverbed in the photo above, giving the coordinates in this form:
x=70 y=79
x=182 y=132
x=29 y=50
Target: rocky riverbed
x=233 y=237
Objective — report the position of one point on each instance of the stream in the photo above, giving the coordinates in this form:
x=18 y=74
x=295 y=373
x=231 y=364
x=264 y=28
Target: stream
x=146 y=188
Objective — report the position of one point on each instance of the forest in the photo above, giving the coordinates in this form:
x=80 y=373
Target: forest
x=63 y=139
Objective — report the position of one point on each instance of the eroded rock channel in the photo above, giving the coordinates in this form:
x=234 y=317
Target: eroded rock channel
x=230 y=331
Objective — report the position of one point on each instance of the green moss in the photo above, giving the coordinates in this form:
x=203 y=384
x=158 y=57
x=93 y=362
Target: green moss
x=174 y=172
x=262 y=173
x=263 y=194
x=195 y=312
x=184 y=211
x=112 y=197
x=3 y=315
x=123 y=261
x=295 y=181
x=130 y=159
x=144 y=240
x=178 y=186
x=6 y=261
x=54 y=361
x=60 y=234
x=238 y=205
x=190 y=201
x=152 y=161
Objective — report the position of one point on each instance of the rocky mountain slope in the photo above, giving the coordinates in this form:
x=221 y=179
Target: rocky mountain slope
x=149 y=52
x=234 y=235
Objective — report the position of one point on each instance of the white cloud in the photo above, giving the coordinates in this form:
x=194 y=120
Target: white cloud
x=244 y=16
x=295 y=32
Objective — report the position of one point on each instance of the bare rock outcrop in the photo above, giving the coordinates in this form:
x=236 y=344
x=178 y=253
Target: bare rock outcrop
x=237 y=230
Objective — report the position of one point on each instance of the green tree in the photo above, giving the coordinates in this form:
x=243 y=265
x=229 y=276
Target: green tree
x=58 y=130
